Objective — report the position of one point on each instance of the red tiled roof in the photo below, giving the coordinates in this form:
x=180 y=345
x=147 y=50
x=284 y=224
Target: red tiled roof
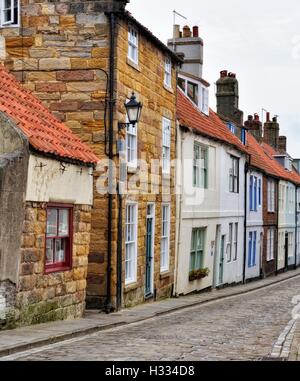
x=213 y=127
x=210 y=126
x=45 y=133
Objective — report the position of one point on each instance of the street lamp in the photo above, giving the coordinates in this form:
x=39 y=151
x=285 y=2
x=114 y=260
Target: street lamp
x=133 y=110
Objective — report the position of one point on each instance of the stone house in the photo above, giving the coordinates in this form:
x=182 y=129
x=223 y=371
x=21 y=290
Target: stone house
x=46 y=196
x=84 y=59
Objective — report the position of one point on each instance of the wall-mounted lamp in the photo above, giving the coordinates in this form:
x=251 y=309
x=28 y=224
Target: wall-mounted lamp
x=133 y=110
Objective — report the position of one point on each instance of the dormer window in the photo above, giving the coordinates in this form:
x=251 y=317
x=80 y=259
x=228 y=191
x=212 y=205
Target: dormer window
x=192 y=92
x=10 y=12
x=205 y=101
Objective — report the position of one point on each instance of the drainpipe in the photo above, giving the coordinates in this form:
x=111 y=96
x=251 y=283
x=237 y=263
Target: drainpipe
x=111 y=103
x=245 y=220
x=119 y=250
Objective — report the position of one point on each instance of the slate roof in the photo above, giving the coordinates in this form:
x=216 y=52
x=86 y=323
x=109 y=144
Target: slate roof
x=44 y=132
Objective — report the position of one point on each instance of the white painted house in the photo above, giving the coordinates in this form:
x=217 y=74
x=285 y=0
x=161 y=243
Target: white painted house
x=254 y=230
x=210 y=201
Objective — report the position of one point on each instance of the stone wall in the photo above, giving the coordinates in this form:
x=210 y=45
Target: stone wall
x=45 y=297
x=147 y=80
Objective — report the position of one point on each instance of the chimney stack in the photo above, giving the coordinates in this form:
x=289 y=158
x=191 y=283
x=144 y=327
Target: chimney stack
x=228 y=97
x=282 y=143
x=254 y=126
x=189 y=43
x=271 y=132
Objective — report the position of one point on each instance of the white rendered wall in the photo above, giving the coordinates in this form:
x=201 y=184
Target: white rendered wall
x=48 y=183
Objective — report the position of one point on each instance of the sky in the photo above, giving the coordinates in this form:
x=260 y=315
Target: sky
x=259 y=40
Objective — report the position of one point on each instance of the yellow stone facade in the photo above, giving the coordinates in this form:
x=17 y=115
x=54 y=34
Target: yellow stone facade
x=60 y=54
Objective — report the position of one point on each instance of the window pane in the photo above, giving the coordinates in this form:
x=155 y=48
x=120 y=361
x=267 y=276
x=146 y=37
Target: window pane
x=60 y=250
x=63 y=229
x=49 y=251
x=51 y=222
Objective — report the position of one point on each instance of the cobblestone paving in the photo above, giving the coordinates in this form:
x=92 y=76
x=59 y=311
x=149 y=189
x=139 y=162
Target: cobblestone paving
x=240 y=328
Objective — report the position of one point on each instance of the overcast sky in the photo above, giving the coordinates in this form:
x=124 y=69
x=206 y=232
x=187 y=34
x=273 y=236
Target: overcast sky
x=258 y=40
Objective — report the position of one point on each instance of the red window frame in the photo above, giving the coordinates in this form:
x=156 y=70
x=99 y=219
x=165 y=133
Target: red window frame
x=67 y=264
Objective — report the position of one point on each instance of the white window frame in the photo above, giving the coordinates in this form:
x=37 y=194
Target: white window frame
x=168 y=72
x=235 y=241
x=198 y=251
x=131 y=242
x=270 y=244
x=131 y=135
x=229 y=244
x=200 y=166
x=166 y=146
x=165 y=238
x=133 y=44
x=9 y=23
x=271 y=196
x=234 y=175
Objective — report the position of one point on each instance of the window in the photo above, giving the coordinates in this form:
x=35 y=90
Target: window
x=133 y=49
x=131 y=144
x=271 y=196
x=192 y=92
x=10 y=12
x=165 y=238
x=197 y=249
x=259 y=192
x=234 y=175
x=166 y=145
x=252 y=249
x=59 y=238
x=291 y=244
x=235 y=242
x=182 y=84
x=243 y=136
x=253 y=193
x=205 y=101
x=200 y=166
x=229 y=245
x=131 y=243
x=270 y=244
x=168 y=72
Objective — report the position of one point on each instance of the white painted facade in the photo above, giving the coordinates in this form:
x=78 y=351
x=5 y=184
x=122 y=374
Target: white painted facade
x=286 y=224
x=254 y=231
x=52 y=181
x=2 y=304
x=212 y=209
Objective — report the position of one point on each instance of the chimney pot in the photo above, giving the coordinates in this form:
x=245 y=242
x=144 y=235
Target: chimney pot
x=275 y=119
x=187 y=32
x=256 y=116
x=224 y=73
x=176 y=31
x=268 y=117
x=250 y=117
x=195 y=31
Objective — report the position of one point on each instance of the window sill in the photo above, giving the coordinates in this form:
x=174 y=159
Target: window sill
x=57 y=270
x=131 y=169
x=133 y=64
x=169 y=89
x=131 y=287
x=270 y=260
x=165 y=274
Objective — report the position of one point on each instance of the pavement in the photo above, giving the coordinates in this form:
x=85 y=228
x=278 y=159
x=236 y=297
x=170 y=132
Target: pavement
x=28 y=338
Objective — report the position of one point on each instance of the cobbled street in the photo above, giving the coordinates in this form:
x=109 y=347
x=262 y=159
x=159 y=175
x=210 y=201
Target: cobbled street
x=240 y=328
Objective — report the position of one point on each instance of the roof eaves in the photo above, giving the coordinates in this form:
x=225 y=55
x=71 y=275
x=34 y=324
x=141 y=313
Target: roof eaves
x=127 y=16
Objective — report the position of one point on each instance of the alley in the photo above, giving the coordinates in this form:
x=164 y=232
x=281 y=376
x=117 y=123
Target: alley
x=240 y=328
